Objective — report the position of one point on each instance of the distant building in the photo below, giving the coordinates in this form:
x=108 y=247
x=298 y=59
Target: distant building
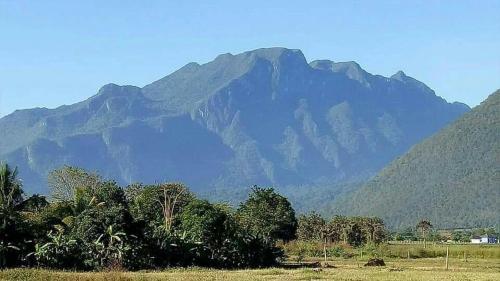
x=485 y=239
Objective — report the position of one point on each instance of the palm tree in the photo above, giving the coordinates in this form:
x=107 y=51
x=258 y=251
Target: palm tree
x=10 y=192
x=10 y=199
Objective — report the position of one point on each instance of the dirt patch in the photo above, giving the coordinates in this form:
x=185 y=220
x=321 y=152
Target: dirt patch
x=375 y=262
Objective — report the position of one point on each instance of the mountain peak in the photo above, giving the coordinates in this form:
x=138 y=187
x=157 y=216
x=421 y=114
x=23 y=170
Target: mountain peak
x=114 y=89
x=321 y=64
x=275 y=52
x=275 y=118
x=349 y=68
x=194 y=83
x=400 y=75
x=279 y=55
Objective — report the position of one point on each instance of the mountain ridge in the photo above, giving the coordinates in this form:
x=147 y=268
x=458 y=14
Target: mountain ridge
x=262 y=117
x=451 y=178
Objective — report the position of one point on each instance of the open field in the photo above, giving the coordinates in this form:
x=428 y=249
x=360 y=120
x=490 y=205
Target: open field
x=396 y=269
x=394 y=251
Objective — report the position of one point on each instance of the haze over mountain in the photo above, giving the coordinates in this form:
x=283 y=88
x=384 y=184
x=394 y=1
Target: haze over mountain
x=451 y=178
x=265 y=117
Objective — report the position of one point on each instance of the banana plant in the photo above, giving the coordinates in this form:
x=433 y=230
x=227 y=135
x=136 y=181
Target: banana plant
x=109 y=246
x=5 y=248
x=51 y=252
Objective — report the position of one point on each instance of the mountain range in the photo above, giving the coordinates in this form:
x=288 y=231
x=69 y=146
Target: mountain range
x=266 y=117
x=451 y=178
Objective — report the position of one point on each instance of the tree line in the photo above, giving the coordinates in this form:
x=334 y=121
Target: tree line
x=91 y=223
x=340 y=229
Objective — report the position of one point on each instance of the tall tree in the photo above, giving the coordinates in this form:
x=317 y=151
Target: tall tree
x=311 y=227
x=158 y=204
x=268 y=214
x=65 y=182
x=424 y=226
x=10 y=192
x=10 y=200
x=170 y=200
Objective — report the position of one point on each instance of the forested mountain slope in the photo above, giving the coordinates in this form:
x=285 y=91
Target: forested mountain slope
x=451 y=178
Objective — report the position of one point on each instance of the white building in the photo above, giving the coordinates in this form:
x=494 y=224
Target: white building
x=485 y=239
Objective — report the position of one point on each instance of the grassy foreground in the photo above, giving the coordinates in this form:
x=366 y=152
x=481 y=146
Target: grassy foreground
x=397 y=269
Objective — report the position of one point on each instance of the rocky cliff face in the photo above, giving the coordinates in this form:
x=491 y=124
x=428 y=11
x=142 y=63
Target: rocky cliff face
x=264 y=117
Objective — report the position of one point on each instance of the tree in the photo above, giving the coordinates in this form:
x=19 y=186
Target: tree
x=310 y=227
x=424 y=226
x=93 y=223
x=215 y=238
x=65 y=182
x=35 y=203
x=10 y=193
x=101 y=208
x=268 y=214
x=158 y=204
x=10 y=222
x=373 y=229
x=211 y=228
x=173 y=196
x=339 y=226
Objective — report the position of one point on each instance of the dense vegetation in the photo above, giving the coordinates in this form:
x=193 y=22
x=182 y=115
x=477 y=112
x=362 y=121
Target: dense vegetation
x=354 y=231
x=451 y=178
x=92 y=224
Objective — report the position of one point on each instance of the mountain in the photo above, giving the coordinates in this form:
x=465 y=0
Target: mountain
x=451 y=178
x=265 y=117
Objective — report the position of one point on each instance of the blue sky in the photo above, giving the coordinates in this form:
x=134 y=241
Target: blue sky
x=61 y=52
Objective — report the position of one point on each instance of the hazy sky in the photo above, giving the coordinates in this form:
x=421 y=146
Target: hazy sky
x=61 y=52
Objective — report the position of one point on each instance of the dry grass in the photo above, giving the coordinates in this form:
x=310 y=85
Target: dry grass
x=399 y=269
x=315 y=249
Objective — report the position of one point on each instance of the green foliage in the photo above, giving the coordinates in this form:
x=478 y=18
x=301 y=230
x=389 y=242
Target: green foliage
x=68 y=180
x=450 y=178
x=218 y=240
x=93 y=224
x=58 y=252
x=11 y=225
x=311 y=227
x=268 y=214
x=145 y=201
x=203 y=222
x=406 y=234
x=349 y=230
x=461 y=236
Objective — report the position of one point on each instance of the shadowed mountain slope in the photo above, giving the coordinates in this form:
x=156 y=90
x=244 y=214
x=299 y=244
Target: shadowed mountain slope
x=265 y=117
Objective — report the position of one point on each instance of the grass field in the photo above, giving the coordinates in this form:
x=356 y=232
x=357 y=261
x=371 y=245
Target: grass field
x=475 y=268
x=398 y=269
